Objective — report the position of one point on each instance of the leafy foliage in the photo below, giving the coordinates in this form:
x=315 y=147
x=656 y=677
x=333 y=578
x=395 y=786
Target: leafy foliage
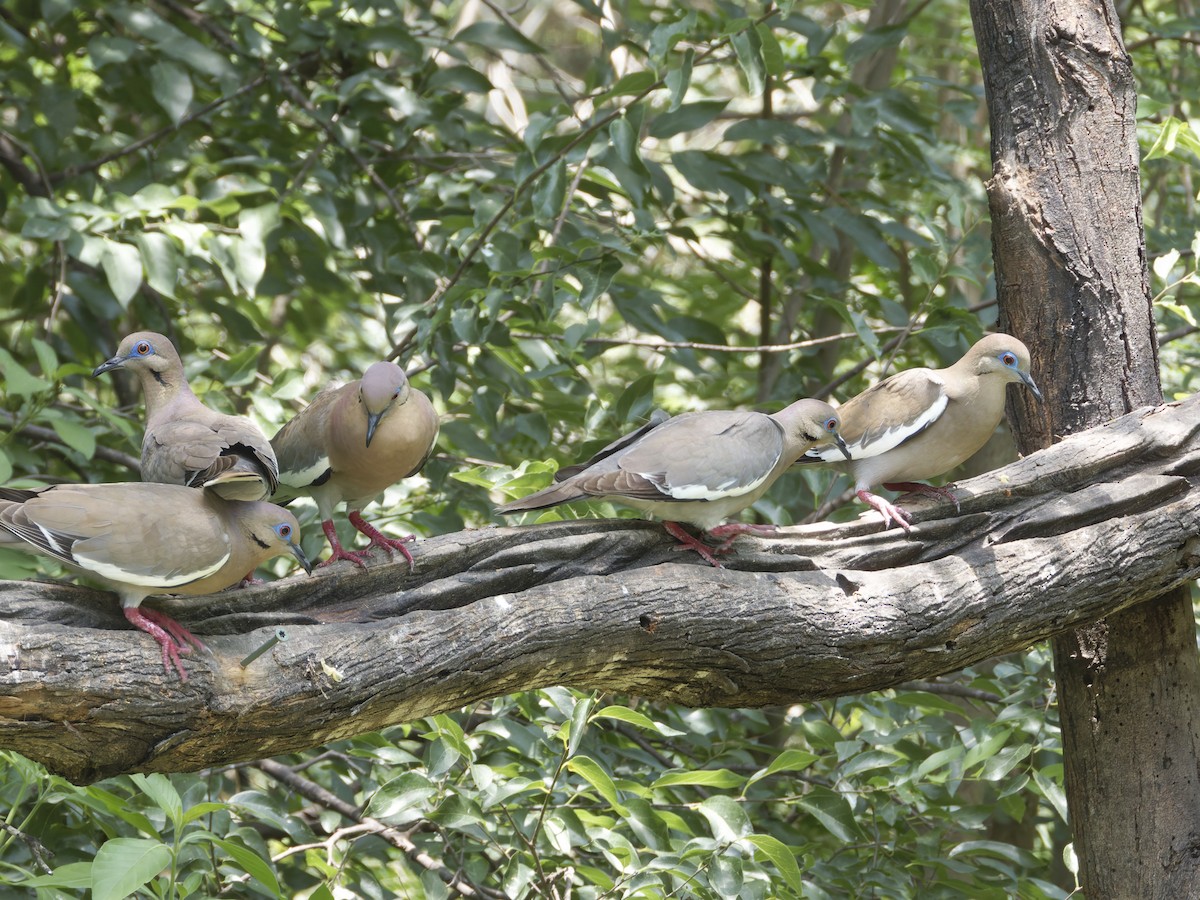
x=561 y=216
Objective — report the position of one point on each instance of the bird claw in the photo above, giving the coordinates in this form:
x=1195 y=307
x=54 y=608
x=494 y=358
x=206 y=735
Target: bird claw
x=918 y=489
x=339 y=552
x=890 y=511
x=381 y=540
x=174 y=639
x=690 y=542
x=734 y=530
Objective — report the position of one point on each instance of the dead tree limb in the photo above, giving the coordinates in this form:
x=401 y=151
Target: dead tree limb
x=1098 y=522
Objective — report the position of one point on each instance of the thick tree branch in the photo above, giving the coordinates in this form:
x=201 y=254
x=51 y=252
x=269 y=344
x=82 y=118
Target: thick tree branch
x=1098 y=522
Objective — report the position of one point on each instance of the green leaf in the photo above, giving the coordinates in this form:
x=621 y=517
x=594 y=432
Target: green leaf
x=1053 y=792
x=633 y=83
x=158 y=788
x=161 y=261
x=872 y=759
x=497 y=35
x=257 y=223
x=748 y=47
x=252 y=864
x=1003 y=762
x=624 y=140
x=172 y=88
x=202 y=809
x=462 y=79
x=990 y=848
x=6 y=469
x=864 y=231
x=105 y=801
x=78 y=437
x=832 y=811
x=726 y=874
x=123 y=865
x=72 y=876
x=938 y=759
x=249 y=263
x=792 y=760
x=402 y=798
x=595 y=280
x=874 y=41
x=719 y=778
x=687 y=117
x=47 y=358
x=578 y=723
x=679 y=79
x=664 y=37
x=1165 y=140
x=772 y=53
x=550 y=193
x=863 y=329
x=1165 y=263
x=986 y=748
x=645 y=822
x=122 y=265
x=781 y=856
x=726 y=818
x=589 y=770
x=633 y=717
x=18 y=380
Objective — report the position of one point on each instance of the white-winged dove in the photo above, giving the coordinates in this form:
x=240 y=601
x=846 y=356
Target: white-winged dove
x=351 y=443
x=698 y=468
x=920 y=423
x=143 y=539
x=186 y=442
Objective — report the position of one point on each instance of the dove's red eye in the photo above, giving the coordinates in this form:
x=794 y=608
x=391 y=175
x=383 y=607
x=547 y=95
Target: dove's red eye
x=142 y=348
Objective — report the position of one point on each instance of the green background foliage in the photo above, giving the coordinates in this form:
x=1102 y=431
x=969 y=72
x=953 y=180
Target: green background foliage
x=557 y=216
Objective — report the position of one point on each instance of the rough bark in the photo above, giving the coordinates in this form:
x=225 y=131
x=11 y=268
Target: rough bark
x=1046 y=544
x=1072 y=281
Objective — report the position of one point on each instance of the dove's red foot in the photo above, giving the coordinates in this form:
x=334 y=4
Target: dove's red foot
x=924 y=490
x=689 y=541
x=171 y=636
x=890 y=511
x=379 y=539
x=339 y=552
x=734 y=530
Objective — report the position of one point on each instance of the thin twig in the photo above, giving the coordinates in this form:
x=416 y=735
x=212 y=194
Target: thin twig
x=37 y=849
x=693 y=345
x=394 y=836
x=37 y=432
x=293 y=90
x=604 y=121
x=951 y=690
x=153 y=137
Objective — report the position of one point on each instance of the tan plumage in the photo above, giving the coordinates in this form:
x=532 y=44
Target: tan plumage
x=699 y=468
x=353 y=442
x=921 y=423
x=143 y=539
x=186 y=442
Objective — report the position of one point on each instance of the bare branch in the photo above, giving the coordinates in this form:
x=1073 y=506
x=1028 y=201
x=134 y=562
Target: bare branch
x=51 y=436
x=394 y=836
x=1101 y=521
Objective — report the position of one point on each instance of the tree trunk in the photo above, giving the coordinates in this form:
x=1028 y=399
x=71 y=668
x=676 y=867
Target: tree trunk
x=609 y=605
x=1072 y=281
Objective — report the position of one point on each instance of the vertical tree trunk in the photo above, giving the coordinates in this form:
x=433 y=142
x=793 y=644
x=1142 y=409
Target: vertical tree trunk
x=1072 y=280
